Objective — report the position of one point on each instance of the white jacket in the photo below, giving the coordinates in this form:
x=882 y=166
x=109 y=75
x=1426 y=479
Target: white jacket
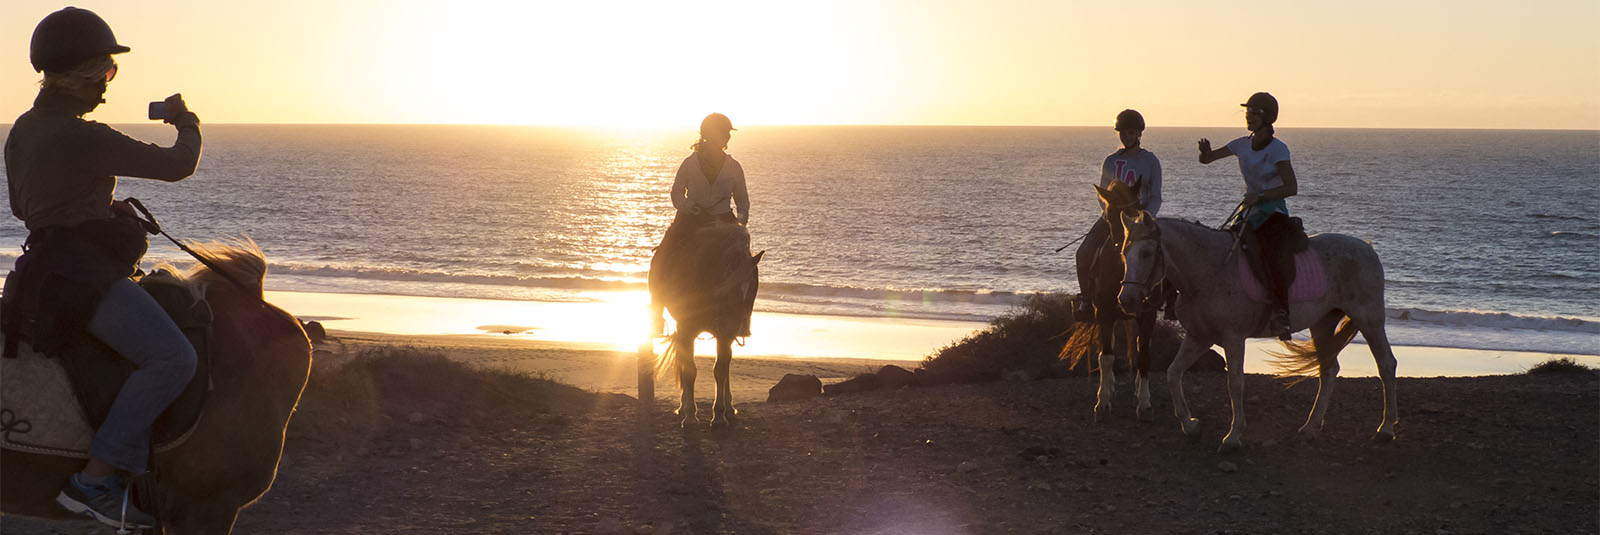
x=691 y=189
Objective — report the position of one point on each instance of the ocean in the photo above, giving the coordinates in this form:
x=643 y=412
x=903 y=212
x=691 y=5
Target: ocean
x=1489 y=239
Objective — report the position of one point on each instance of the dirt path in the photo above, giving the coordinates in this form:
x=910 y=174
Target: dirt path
x=1507 y=454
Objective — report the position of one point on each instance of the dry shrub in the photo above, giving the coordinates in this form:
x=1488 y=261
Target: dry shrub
x=1029 y=339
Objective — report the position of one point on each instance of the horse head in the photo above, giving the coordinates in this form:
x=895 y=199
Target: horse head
x=1141 y=260
x=1118 y=198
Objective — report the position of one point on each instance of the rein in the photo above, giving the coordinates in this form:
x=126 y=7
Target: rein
x=151 y=226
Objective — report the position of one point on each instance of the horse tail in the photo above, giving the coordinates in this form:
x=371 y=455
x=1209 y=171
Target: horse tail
x=240 y=260
x=667 y=360
x=1302 y=359
x=1085 y=338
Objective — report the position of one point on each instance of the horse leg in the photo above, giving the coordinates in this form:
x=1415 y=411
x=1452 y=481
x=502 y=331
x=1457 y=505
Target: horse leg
x=1108 y=374
x=1188 y=351
x=1139 y=343
x=1327 y=346
x=1371 y=328
x=683 y=356
x=722 y=408
x=1234 y=351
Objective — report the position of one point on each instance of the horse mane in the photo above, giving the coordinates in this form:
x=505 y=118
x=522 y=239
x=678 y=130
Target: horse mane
x=240 y=259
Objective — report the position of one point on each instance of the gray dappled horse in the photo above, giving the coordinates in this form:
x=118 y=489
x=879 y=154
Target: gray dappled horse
x=261 y=359
x=1215 y=310
x=1094 y=338
x=708 y=289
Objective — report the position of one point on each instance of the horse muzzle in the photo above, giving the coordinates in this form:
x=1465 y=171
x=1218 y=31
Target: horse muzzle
x=1131 y=298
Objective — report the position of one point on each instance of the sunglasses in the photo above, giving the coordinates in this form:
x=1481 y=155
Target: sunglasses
x=111 y=73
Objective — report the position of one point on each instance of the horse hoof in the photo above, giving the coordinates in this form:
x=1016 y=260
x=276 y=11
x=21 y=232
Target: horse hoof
x=1146 y=414
x=721 y=423
x=1190 y=426
x=1230 y=446
x=1308 y=433
x=689 y=421
x=1102 y=413
x=1383 y=437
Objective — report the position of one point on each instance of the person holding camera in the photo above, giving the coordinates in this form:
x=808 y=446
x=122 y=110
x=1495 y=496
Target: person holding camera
x=1268 y=180
x=83 y=247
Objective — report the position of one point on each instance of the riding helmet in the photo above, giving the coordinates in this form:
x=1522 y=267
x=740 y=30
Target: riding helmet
x=716 y=122
x=1130 y=120
x=69 y=37
x=1266 y=103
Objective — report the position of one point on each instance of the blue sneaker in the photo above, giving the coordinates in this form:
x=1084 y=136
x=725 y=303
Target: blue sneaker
x=106 y=503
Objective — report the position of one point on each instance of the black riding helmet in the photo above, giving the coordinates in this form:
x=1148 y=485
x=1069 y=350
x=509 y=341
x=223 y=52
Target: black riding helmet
x=1130 y=120
x=1266 y=104
x=69 y=37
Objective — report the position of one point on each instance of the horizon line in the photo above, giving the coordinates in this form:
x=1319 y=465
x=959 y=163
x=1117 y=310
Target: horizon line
x=882 y=125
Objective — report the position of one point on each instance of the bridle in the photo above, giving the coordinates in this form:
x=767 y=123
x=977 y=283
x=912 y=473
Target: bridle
x=1158 y=266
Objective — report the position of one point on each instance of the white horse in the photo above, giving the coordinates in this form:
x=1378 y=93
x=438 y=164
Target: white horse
x=1214 y=309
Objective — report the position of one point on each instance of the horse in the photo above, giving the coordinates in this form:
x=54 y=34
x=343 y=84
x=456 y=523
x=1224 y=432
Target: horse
x=1214 y=309
x=261 y=361
x=1096 y=336
x=708 y=288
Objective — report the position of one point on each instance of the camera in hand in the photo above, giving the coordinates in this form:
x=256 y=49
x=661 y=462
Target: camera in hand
x=158 y=111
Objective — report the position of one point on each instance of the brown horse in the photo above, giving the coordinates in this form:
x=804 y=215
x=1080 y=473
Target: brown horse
x=261 y=361
x=708 y=289
x=1096 y=337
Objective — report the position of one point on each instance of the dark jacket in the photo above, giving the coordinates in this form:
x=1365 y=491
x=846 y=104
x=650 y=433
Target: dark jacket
x=61 y=173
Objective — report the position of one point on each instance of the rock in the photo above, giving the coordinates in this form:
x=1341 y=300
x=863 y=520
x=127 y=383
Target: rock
x=1228 y=466
x=861 y=383
x=795 y=386
x=416 y=444
x=966 y=467
x=315 y=332
x=608 y=525
x=892 y=377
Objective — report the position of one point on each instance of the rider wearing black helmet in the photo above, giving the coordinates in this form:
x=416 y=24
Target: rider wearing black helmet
x=1268 y=180
x=82 y=247
x=1135 y=167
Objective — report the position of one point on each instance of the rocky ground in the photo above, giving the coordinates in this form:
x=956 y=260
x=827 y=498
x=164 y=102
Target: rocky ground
x=442 y=448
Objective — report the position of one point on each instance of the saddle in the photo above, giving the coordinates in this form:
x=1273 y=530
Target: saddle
x=1310 y=283
x=52 y=404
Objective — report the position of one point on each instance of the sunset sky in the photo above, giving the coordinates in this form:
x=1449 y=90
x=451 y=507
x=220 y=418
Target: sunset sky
x=1387 y=64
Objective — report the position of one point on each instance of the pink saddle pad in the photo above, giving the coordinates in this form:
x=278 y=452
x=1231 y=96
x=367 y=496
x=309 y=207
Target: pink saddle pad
x=1309 y=282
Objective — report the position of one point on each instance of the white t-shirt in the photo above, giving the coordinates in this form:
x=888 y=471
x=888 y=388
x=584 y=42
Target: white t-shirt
x=1259 y=167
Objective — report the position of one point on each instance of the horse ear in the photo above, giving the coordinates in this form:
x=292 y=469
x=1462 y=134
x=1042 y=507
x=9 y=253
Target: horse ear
x=1102 y=192
x=756 y=258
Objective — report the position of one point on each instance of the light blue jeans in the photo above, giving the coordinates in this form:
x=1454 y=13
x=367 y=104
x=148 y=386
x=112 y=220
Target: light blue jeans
x=129 y=321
